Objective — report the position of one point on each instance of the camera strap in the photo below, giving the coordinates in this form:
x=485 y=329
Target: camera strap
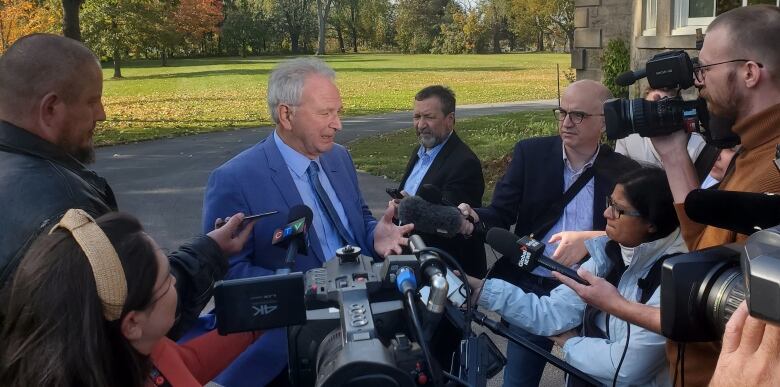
x=556 y=210
x=704 y=162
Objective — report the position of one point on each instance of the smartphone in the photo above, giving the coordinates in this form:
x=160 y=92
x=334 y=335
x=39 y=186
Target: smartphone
x=246 y=220
x=394 y=193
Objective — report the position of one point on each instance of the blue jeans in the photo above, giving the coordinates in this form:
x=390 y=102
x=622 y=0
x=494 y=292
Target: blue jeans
x=523 y=367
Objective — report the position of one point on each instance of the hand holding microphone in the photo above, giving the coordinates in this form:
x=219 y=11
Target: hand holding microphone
x=526 y=253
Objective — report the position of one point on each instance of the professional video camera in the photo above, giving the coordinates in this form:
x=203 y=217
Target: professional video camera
x=667 y=70
x=700 y=290
x=356 y=332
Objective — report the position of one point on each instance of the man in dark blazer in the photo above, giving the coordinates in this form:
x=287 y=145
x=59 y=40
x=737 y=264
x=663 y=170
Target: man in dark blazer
x=446 y=162
x=541 y=170
x=299 y=163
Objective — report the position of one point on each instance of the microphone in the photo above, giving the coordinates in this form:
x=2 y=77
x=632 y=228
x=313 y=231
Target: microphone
x=432 y=194
x=526 y=253
x=629 y=77
x=430 y=218
x=742 y=212
x=293 y=235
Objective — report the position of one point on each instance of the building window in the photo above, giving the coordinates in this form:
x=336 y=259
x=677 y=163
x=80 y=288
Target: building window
x=650 y=17
x=692 y=14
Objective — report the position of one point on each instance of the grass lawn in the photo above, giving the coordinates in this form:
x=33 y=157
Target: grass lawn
x=492 y=138
x=198 y=95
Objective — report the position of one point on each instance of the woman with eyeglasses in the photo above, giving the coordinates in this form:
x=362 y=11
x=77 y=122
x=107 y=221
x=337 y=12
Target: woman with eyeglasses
x=90 y=305
x=642 y=229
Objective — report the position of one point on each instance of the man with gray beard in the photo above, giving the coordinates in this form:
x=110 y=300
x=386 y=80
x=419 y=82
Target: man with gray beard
x=446 y=162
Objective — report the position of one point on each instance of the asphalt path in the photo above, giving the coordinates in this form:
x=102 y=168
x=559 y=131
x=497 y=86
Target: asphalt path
x=162 y=181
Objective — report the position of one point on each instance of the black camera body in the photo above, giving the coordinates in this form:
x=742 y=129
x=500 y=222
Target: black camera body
x=671 y=69
x=667 y=70
x=702 y=289
x=355 y=334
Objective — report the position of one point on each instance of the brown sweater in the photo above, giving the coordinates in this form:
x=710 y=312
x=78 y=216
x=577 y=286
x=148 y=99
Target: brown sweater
x=754 y=171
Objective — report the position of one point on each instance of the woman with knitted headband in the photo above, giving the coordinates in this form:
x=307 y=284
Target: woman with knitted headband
x=90 y=305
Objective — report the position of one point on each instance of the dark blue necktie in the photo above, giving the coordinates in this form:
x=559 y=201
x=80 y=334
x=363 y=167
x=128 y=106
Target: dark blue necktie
x=324 y=200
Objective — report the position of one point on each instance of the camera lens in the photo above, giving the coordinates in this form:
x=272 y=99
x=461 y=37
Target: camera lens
x=727 y=291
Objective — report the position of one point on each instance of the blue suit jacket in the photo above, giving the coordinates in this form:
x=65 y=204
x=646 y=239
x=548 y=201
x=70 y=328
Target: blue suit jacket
x=258 y=180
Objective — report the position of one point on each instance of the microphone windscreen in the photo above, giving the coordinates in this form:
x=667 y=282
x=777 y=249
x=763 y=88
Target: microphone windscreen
x=742 y=212
x=503 y=241
x=625 y=79
x=300 y=211
x=429 y=218
x=430 y=192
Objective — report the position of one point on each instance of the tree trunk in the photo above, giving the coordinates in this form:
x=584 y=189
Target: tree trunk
x=496 y=39
x=294 y=35
x=164 y=56
x=340 y=37
x=540 y=41
x=323 y=9
x=117 y=63
x=70 y=19
x=353 y=26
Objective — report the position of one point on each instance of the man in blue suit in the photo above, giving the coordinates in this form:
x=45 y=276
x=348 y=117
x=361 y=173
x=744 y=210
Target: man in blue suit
x=299 y=163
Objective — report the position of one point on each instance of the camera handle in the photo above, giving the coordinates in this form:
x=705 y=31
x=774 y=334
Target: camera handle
x=501 y=330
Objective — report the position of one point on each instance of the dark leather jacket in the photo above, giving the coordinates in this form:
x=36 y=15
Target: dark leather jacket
x=39 y=183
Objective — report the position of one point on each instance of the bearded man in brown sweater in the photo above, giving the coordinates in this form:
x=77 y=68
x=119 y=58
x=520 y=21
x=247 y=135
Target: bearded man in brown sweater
x=739 y=76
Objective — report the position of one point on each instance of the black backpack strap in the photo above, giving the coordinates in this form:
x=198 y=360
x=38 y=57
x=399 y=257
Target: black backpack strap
x=652 y=280
x=556 y=210
x=704 y=162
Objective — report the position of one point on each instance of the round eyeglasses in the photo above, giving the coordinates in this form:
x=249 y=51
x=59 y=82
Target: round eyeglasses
x=575 y=116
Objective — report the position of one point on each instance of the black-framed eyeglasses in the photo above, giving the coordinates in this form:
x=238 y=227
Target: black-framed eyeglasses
x=617 y=211
x=699 y=71
x=575 y=116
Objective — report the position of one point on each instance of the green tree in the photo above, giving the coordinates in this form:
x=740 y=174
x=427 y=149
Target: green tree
x=418 y=23
x=465 y=34
x=294 y=15
x=114 y=27
x=246 y=28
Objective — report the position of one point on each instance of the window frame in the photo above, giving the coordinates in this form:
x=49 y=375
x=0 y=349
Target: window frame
x=683 y=25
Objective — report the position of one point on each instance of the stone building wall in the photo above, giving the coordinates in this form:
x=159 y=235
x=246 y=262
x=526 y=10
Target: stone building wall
x=598 y=21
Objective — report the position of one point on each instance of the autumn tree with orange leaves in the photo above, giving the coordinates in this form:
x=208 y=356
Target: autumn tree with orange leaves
x=23 y=17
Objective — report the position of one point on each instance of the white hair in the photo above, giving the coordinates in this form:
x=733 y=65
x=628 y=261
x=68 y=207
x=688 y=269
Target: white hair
x=285 y=85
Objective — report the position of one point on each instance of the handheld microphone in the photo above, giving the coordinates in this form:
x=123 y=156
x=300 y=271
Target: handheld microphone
x=526 y=253
x=430 y=218
x=293 y=236
x=742 y=212
x=629 y=77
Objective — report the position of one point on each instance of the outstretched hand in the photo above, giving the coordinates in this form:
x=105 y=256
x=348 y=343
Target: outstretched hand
x=389 y=238
x=231 y=237
x=600 y=293
x=571 y=246
x=750 y=355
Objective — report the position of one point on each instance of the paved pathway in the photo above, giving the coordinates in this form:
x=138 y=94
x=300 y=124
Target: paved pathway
x=162 y=181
